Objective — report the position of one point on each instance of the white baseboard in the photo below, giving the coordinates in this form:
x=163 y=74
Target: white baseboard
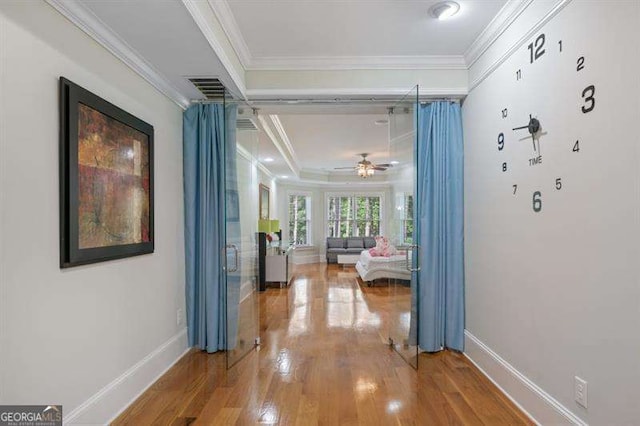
x=110 y=401
x=541 y=407
x=303 y=260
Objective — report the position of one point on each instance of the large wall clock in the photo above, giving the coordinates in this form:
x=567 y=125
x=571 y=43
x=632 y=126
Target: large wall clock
x=527 y=133
x=552 y=200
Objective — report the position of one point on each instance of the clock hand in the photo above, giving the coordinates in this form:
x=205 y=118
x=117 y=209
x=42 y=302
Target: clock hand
x=520 y=128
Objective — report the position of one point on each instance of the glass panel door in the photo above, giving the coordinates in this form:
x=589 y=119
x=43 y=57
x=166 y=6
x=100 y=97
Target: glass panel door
x=403 y=312
x=242 y=303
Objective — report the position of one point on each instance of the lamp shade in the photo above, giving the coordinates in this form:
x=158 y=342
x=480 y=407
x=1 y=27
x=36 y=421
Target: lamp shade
x=264 y=225
x=275 y=225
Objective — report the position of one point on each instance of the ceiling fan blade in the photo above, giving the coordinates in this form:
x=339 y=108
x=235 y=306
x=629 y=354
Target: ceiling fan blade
x=384 y=165
x=380 y=168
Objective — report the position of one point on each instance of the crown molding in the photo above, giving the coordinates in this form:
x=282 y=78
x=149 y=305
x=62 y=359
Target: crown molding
x=285 y=140
x=498 y=25
x=88 y=22
x=232 y=30
x=521 y=41
x=202 y=23
x=266 y=171
x=321 y=63
x=244 y=153
x=279 y=146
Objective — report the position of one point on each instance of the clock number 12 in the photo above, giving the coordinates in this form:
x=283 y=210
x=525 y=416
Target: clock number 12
x=539 y=51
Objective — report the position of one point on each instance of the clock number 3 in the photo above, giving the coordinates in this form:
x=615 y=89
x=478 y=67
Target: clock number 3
x=500 y=141
x=537 y=201
x=590 y=101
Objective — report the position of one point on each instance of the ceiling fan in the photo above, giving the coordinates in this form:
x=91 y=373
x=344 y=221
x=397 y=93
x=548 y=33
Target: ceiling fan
x=366 y=168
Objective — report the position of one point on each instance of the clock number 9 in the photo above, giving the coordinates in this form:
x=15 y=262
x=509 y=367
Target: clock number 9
x=500 y=141
x=587 y=94
x=537 y=201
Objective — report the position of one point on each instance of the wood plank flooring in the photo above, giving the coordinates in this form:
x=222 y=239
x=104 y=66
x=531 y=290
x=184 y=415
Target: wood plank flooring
x=323 y=361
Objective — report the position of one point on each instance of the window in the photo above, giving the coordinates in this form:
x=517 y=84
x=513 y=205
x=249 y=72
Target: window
x=300 y=219
x=407 y=219
x=353 y=216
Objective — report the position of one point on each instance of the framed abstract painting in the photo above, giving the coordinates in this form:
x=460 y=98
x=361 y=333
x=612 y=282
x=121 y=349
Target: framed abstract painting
x=106 y=180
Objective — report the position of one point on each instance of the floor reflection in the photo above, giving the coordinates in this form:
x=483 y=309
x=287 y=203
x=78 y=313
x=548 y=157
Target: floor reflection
x=324 y=359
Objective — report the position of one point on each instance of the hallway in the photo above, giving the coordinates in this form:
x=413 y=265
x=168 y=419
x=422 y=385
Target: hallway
x=323 y=360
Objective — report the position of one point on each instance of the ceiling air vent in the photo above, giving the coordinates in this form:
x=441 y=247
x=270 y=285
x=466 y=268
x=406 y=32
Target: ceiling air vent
x=246 y=119
x=245 y=124
x=211 y=88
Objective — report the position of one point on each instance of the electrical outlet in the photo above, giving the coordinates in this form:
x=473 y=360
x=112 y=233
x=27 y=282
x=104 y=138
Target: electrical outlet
x=179 y=317
x=580 y=389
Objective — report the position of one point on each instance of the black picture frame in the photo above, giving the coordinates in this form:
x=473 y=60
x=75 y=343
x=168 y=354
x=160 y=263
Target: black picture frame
x=72 y=254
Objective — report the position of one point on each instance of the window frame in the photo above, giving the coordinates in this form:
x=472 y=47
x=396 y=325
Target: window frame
x=309 y=200
x=354 y=195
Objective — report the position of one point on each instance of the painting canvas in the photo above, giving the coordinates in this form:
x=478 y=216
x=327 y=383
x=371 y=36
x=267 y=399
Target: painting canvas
x=106 y=180
x=113 y=172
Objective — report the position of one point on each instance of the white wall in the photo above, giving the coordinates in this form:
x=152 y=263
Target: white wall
x=555 y=294
x=68 y=334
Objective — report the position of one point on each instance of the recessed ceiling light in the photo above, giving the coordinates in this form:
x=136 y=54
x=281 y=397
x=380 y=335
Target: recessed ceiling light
x=268 y=160
x=444 y=9
x=381 y=122
x=394 y=162
x=284 y=177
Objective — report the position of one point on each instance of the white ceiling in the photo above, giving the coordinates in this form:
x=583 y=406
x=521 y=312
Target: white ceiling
x=322 y=28
x=322 y=142
x=163 y=42
x=165 y=35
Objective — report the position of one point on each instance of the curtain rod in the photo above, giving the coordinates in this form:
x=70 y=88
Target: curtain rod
x=337 y=101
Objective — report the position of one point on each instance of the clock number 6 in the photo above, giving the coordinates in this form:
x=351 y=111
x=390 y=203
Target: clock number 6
x=587 y=94
x=500 y=141
x=537 y=201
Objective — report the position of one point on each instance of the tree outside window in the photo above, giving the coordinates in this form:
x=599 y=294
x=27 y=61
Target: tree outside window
x=353 y=216
x=407 y=220
x=300 y=219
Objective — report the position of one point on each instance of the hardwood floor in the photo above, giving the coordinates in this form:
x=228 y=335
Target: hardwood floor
x=323 y=360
